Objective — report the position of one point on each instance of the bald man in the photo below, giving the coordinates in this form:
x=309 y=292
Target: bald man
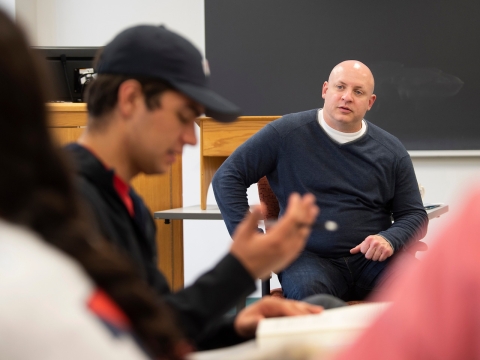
x=361 y=176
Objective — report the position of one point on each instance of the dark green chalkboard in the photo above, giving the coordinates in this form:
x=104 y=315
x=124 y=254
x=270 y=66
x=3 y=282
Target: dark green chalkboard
x=271 y=57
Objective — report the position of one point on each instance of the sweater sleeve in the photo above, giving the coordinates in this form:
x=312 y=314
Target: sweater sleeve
x=251 y=161
x=200 y=307
x=410 y=220
x=220 y=334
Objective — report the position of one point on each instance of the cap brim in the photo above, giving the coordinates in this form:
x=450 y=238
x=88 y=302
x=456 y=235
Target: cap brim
x=215 y=106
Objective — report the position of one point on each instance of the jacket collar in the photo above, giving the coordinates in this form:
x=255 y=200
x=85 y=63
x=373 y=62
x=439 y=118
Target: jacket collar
x=89 y=166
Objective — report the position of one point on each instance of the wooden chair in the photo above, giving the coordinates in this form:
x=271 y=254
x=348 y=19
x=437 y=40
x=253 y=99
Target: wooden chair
x=267 y=196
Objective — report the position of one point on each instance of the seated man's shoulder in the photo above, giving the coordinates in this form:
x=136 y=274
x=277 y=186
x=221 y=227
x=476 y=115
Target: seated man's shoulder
x=290 y=122
x=387 y=141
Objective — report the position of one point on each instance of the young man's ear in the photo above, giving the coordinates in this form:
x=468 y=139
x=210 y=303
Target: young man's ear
x=129 y=94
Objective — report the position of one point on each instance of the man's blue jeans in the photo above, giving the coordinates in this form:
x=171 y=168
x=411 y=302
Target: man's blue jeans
x=348 y=278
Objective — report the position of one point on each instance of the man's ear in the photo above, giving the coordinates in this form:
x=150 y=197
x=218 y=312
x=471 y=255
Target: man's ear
x=372 y=99
x=324 y=89
x=128 y=97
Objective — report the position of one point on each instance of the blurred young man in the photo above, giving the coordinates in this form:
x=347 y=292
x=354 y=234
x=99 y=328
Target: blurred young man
x=150 y=89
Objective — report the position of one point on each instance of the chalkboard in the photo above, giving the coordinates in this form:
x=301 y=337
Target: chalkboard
x=271 y=57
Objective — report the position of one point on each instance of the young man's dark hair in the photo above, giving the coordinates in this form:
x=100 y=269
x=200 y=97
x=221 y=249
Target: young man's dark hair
x=102 y=94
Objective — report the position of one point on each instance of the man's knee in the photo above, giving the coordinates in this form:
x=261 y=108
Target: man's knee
x=325 y=300
x=297 y=289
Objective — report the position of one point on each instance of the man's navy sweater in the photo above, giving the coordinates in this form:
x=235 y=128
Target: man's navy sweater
x=360 y=185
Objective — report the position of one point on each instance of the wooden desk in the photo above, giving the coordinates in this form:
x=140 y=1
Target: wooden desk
x=212 y=212
x=219 y=140
x=67 y=122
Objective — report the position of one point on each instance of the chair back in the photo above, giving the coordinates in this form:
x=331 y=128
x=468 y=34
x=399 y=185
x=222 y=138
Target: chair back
x=267 y=197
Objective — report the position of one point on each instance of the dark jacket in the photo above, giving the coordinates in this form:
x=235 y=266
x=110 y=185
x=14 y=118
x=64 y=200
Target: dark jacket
x=199 y=307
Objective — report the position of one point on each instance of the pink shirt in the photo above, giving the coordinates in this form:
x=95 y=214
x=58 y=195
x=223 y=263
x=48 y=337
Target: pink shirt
x=436 y=309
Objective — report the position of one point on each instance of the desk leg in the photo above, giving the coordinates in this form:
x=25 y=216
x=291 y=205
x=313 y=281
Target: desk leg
x=265 y=287
x=170 y=252
x=209 y=165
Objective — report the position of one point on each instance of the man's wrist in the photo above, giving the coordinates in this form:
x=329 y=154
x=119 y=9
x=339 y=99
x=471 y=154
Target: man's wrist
x=388 y=241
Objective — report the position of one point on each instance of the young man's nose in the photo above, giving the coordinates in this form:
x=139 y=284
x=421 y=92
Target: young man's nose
x=189 y=137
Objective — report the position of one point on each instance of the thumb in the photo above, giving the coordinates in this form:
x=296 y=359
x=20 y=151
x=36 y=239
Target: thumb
x=254 y=216
x=249 y=225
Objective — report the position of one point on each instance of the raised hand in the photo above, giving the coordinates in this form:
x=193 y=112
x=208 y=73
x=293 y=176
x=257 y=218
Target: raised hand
x=273 y=251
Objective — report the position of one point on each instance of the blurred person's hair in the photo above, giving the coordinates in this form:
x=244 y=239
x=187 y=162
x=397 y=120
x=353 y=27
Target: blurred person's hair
x=36 y=191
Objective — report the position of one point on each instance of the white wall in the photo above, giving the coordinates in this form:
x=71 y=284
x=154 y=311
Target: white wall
x=93 y=23
x=8 y=6
x=447 y=180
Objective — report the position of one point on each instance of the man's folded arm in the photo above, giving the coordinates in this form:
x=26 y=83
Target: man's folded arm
x=251 y=161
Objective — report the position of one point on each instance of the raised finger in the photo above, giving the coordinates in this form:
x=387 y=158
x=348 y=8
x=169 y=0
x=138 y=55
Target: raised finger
x=250 y=223
x=302 y=208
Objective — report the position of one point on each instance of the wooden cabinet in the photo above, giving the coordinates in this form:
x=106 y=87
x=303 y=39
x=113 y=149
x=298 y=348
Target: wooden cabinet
x=160 y=192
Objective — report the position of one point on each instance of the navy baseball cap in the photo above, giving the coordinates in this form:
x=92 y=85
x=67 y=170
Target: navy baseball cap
x=155 y=52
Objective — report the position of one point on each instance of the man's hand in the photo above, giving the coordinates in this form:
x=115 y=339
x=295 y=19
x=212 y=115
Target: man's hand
x=374 y=247
x=247 y=320
x=262 y=253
